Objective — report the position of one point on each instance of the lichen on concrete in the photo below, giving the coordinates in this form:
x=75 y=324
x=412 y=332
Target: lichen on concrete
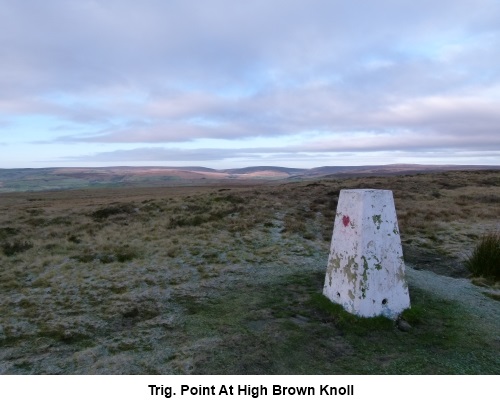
x=377 y=220
x=351 y=269
x=366 y=269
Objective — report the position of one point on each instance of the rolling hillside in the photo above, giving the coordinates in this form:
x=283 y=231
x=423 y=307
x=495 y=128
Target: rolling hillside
x=13 y=180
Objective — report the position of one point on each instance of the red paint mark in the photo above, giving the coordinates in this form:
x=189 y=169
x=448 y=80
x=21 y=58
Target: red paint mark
x=346 y=220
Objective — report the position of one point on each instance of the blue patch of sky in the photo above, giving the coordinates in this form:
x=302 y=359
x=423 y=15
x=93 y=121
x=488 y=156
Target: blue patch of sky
x=436 y=48
x=28 y=128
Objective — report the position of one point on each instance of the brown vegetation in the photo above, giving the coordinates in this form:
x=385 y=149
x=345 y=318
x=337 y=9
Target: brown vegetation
x=101 y=281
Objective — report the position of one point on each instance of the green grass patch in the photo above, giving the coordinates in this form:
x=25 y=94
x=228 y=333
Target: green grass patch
x=289 y=327
x=347 y=322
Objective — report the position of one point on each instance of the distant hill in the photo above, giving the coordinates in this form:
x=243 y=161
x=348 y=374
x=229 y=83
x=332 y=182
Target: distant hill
x=63 y=178
x=391 y=169
x=263 y=169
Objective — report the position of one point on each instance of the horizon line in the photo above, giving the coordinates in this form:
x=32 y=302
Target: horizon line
x=256 y=166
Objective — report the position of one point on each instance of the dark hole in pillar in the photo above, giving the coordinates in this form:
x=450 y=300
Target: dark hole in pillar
x=338 y=295
x=384 y=301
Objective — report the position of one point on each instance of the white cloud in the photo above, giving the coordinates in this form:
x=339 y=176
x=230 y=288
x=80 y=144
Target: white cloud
x=379 y=75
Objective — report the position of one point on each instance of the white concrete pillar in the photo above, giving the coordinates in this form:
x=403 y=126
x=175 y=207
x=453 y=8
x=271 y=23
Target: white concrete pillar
x=365 y=272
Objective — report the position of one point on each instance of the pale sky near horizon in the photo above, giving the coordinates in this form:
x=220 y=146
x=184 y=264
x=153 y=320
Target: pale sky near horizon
x=225 y=83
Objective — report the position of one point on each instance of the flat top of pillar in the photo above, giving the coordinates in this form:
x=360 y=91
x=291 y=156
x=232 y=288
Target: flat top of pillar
x=364 y=190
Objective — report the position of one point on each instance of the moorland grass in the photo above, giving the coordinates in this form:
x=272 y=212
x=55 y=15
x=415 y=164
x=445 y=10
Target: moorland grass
x=484 y=261
x=227 y=280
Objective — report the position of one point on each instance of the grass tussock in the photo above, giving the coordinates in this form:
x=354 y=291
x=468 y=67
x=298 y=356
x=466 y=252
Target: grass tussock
x=11 y=248
x=484 y=261
x=113 y=210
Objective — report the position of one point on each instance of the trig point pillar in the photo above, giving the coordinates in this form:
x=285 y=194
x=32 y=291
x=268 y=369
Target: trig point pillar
x=365 y=272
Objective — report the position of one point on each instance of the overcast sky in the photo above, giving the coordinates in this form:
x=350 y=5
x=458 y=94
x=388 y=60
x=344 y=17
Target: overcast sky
x=228 y=83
